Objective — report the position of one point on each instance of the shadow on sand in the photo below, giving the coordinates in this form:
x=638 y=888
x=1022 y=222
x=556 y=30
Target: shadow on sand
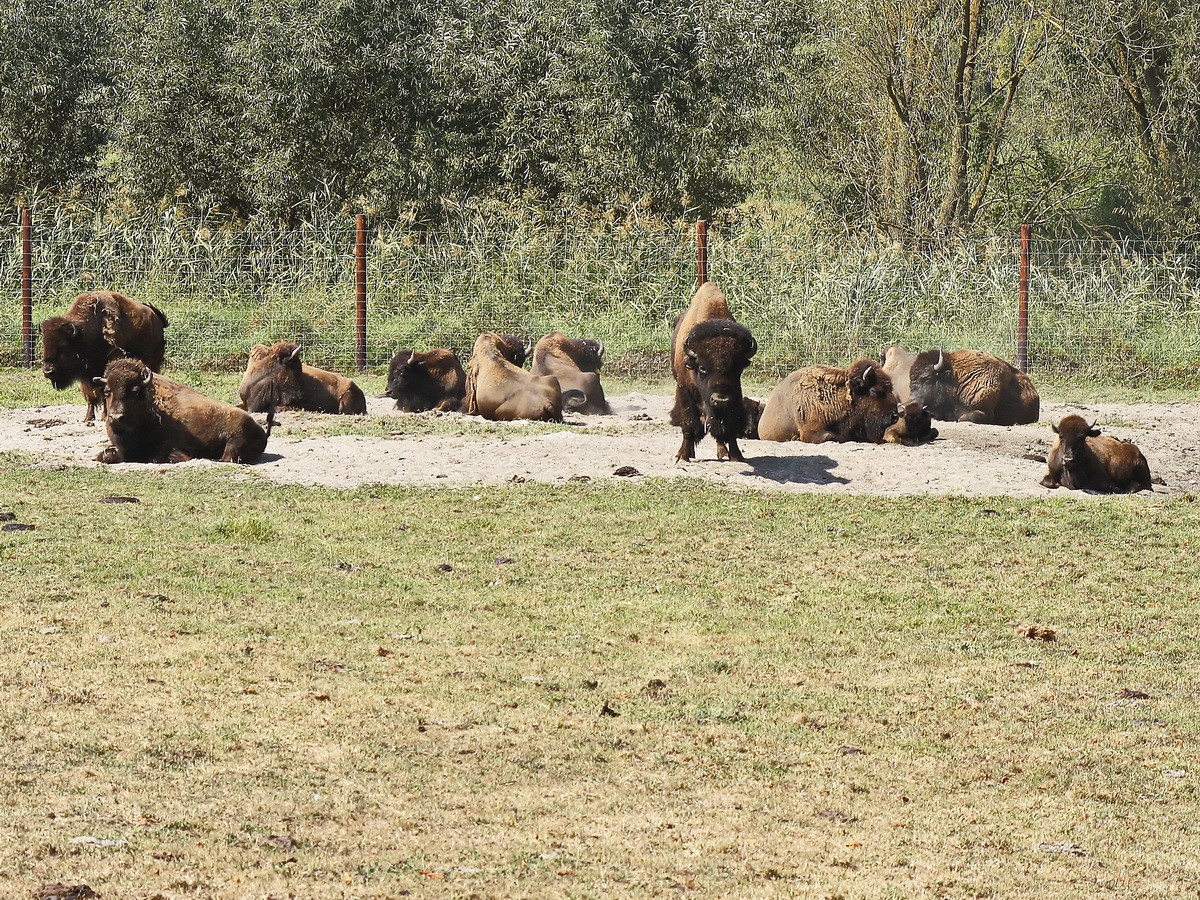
x=796 y=469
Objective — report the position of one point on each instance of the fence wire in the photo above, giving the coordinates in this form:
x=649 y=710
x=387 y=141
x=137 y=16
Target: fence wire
x=1113 y=312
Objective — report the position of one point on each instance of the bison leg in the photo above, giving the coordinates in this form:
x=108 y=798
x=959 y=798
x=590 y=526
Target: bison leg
x=730 y=451
x=1049 y=481
x=978 y=416
x=95 y=400
x=687 y=450
x=108 y=455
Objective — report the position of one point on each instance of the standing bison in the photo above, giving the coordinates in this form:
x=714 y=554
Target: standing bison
x=709 y=353
x=823 y=403
x=969 y=386
x=276 y=378
x=1083 y=459
x=499 y=389
x=575 y=362
x=100 y=326
x=152 y=419
x=430 y=379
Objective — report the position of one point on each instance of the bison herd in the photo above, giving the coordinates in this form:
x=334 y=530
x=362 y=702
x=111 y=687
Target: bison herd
x=114 y=347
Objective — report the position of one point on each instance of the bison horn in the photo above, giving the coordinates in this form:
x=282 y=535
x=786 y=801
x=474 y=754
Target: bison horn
x=148 y=377
x=100 y=380
x=295 y=353
x=73 y=329
x=941 y=363
x=1054 y=428
x=753 y=346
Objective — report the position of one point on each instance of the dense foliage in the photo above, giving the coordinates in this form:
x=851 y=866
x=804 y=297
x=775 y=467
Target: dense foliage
x=909 y=119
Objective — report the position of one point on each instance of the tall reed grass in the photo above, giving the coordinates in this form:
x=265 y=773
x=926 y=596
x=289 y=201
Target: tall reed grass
x=1119 y=313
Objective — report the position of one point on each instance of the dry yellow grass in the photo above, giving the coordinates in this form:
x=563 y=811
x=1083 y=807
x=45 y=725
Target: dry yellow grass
x=232 y=690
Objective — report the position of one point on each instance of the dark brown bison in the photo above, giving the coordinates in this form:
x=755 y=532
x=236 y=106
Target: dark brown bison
x=709 y=353
x=575 y=362
x=754 y=410
x=972 y=386
x=915 y=426
x=499 y=389
x=430 y=379
x=1083 y=459
x=276 y=378
x=152 y=419
x=99 y=327
x=823 y=403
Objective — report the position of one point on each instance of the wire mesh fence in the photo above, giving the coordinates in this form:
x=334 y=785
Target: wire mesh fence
x=1114 y=312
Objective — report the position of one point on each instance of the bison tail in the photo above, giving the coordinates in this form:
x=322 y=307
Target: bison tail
x=161 y=315
x=271 y=423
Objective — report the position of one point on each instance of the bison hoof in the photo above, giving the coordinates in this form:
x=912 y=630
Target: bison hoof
x=108 y=455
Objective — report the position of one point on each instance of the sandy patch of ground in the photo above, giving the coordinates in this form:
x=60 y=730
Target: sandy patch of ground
x=966 y=459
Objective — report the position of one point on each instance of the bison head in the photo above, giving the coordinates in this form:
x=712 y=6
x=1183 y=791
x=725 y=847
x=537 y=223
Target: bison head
x=273 y=380
x=915 y=425
x=588 y=354
x=512 y=348
x=717 y=352
x=1073 y=431
x=868 y=379
x=129 y=394
x=63 y=345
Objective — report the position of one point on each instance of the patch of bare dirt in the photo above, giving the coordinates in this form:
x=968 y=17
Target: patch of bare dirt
x=966 y=459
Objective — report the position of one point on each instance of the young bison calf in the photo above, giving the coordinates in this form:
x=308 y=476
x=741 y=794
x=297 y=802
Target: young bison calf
x=152 y=419
x=1085 y=460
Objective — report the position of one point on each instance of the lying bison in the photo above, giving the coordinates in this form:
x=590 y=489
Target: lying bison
x=970 y=386
x=823 y=403
x=1083 y=459
x=276 y=378
x=100 y=326
x=152 y=419
x=429 y=379
x=915 y=426
x=575 y=362
x=499 y=389
x=709 y=353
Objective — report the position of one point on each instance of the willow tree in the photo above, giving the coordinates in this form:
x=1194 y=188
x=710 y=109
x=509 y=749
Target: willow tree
x=919 y=96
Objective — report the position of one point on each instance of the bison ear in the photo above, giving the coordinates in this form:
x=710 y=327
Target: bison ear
x=1054 y=428
x=1093 y=431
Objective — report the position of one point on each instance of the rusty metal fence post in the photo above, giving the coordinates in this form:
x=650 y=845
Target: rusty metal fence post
x=1023 y=303
x=27 y=343
x=360 y=292
x=701 y=252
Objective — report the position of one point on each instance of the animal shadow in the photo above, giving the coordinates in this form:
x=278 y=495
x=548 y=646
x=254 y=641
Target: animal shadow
x=796 y=469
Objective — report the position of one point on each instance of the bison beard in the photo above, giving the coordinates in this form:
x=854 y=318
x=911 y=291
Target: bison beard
x=153 y=419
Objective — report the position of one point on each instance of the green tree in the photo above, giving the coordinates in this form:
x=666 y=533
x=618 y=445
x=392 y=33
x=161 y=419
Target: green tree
x=54 y=94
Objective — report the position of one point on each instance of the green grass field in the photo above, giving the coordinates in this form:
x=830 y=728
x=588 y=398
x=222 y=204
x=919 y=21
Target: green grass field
x=229 y=689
